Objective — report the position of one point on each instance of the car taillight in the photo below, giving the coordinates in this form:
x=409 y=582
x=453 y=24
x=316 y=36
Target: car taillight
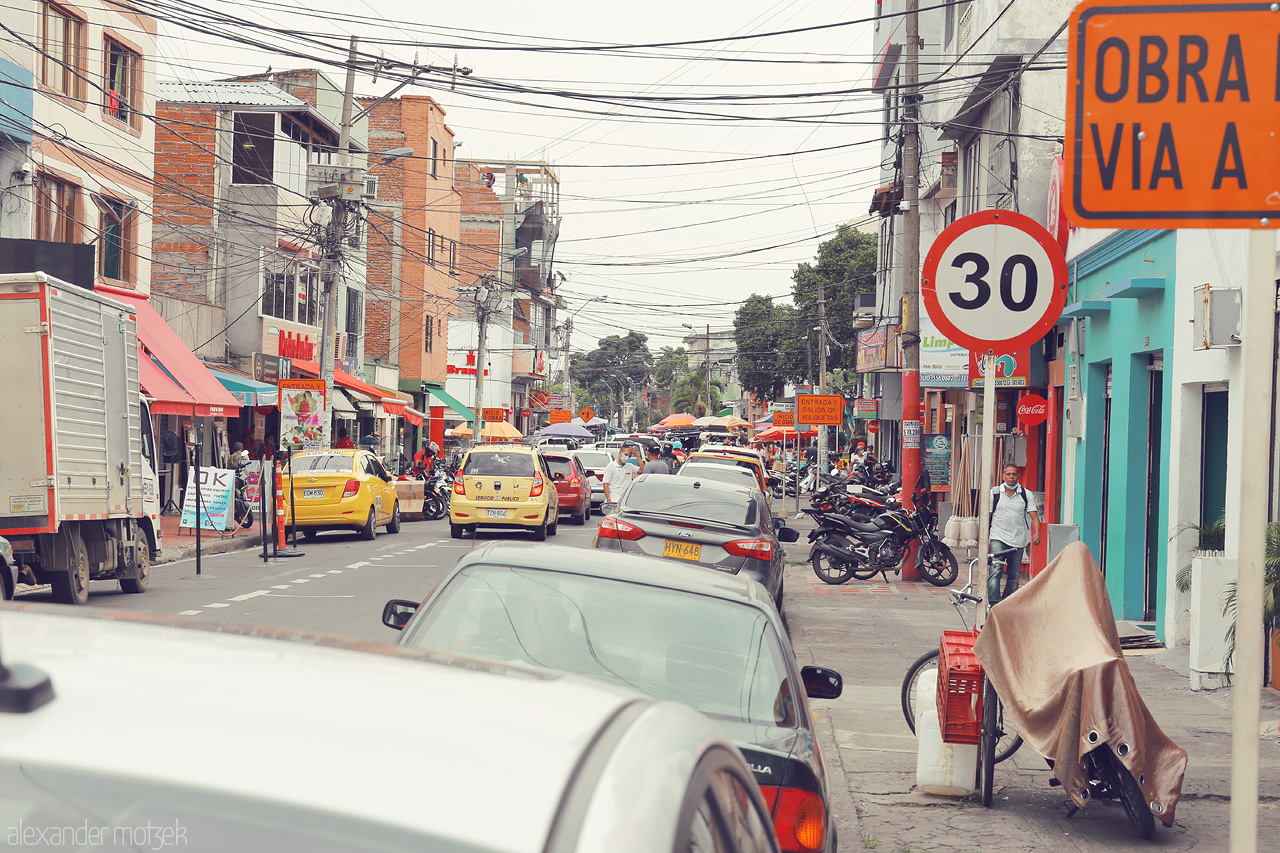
x=574 y=481
x=799 y=818
x=459 y=487
x=761 y=549
x=537 y=486
x=612 y=528
x=351 y=489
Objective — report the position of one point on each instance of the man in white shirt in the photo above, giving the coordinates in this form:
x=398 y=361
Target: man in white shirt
x=1015 y=522
x=617 y=478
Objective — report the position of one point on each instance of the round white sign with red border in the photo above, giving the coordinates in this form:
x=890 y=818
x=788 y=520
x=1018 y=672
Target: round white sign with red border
x=994 y=280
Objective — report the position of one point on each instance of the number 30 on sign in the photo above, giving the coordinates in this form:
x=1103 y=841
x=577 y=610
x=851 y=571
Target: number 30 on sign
x=994 y=279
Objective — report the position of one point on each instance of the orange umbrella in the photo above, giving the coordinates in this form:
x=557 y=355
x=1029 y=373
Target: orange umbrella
x=783 y=434
x=679 y=420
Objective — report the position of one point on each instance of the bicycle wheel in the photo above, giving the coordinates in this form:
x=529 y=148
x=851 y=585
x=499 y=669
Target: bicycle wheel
x=987 y=742
x=924 y=663
x=1125 y=788
x=829 y=571
x=1007 y=738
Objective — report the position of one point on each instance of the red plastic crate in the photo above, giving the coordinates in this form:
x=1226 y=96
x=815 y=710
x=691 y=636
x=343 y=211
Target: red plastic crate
x=959 y=688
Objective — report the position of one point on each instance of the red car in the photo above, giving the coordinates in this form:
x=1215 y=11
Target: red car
x=572 y=485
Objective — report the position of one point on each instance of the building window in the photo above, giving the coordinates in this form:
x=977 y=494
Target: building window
x=57 y=210
x=453 y=257
x=293 y=294
x=428 y=333
x=355 y=311
x=62 y=47
x=122 y=95
x=253 y=148
x=949 y=214
x=115 y=239
x=972 y=159
x=431 y=247
x=435 y=157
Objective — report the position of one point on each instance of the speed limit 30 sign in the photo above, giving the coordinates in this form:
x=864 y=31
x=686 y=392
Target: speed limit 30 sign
x=994 y=279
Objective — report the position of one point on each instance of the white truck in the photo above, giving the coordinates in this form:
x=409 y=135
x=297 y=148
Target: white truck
x=78 y=487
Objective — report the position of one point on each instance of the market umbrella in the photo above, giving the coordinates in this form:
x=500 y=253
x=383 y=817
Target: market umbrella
x=709 y=420
x=593 y=422
x=569 y=430
x=783 y=434
x=731 y=421
x=492 y=429
x=677 y=420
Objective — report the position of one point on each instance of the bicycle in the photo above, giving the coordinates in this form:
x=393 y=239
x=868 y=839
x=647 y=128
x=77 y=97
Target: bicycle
x=997 y=742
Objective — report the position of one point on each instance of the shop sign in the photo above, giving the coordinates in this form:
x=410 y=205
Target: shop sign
x=538 y=401
x=270 y=368
x=873 y=427
x=303 y=425
x=1033 y=410
x=937 y=460
x=943 y=363
x=297 y=347
x=877 y=349
x=1013 y=369
x=866 y=408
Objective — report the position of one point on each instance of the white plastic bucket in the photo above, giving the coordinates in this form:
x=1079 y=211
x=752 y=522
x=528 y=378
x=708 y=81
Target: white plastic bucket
x=941 y=768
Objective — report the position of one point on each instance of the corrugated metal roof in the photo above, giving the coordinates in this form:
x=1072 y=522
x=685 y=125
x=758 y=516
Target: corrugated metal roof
x=238 y=94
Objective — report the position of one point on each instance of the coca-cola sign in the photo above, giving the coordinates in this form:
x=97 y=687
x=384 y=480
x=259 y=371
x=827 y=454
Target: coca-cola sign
x=1033 y=409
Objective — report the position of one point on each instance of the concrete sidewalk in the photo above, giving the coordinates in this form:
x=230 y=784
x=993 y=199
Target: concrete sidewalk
x=180 y=543
x=871 y=631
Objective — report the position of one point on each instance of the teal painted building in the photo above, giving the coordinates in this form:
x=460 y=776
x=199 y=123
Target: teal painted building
x=1116 y=471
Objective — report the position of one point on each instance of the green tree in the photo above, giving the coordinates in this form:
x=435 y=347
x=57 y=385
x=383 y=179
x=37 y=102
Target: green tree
x=690 y=394
x=770 y=340
x=846 y=265
x=668 y=369
x=614 y=371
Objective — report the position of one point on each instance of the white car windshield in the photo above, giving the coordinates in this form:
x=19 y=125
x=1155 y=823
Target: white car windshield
x=718 y=656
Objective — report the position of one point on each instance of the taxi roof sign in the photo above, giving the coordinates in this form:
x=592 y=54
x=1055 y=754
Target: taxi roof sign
x=1173 y=114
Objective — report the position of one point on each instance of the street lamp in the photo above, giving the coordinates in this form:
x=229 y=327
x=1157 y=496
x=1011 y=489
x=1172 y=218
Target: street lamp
x=485 y=305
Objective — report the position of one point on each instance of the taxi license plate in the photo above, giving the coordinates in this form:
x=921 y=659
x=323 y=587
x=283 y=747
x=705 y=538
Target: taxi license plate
x=313 y=493
x=495 y=513
x=682 y=550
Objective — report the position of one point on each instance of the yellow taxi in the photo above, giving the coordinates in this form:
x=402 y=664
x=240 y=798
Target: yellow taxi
x=504 y=485
x=341 y=490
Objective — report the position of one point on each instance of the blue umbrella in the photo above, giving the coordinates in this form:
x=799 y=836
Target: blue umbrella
x=567 y=430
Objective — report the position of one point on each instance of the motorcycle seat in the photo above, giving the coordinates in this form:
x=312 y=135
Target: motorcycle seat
x=863 y=528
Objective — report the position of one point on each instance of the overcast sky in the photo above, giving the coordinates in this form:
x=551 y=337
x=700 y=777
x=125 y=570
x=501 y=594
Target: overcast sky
x=667 y=244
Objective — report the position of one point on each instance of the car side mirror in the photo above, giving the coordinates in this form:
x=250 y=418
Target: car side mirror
x=788 y=534
x=397 y=612
x=821 y=683
x=589 y=472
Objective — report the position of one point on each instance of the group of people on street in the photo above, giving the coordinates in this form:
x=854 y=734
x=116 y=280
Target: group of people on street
x=628 y=465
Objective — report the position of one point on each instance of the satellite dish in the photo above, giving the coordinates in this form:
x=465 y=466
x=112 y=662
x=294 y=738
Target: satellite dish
x=171 y=445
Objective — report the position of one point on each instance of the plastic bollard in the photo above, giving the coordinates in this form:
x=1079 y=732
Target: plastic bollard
x=281 y=543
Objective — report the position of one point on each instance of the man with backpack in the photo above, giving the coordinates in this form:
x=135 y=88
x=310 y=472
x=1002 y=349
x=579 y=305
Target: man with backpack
x=1015 y=523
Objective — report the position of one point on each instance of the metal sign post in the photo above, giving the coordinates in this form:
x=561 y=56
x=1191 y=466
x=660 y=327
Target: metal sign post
x=984 y=497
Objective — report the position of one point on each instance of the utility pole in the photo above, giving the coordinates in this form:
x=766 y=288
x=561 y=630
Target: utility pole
x=568 y=382
x=708 y=370
x=333 y=248
x=822 y=370
x=911 y=273
x=482 y=323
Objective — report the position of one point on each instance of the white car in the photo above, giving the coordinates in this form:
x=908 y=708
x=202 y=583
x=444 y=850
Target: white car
x=228 y=738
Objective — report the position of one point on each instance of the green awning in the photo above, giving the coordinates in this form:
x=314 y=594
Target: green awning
x=453 y=403
x=248 y=391
x=724 y=413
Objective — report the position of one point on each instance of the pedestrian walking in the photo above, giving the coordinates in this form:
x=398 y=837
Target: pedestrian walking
x=1015 y=523
x=617 y=478
x=656 y=465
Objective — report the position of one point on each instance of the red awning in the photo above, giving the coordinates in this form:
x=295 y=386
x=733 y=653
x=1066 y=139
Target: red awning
x=390 y=405
x=413 y=416
x=169 y=397
x=205 y=396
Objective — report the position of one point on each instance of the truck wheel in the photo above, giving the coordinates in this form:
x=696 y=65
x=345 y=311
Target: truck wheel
x=72 y=586
x=143 y=552
x=369 y=531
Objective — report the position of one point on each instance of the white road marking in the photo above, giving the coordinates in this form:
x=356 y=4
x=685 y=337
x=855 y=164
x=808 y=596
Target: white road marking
x=356 y=565
x=317 y=576
x=302 y=580
x=218 y=604
x=189 y=612
x=335 y=571
x=282 y=586
x=249 y=595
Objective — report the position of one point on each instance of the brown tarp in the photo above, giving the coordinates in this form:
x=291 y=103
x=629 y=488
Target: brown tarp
x=1053 y=655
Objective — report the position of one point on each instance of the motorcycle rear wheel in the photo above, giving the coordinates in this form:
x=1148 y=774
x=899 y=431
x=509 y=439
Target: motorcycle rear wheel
x=1125 y=788
x=829 y=571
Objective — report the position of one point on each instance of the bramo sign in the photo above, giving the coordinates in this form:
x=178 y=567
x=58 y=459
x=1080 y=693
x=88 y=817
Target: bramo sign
x=1173 y=114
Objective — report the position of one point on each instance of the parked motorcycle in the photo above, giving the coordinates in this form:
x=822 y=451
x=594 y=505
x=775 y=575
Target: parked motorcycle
x=845 y=548
x=436 y=494
x=243 y=508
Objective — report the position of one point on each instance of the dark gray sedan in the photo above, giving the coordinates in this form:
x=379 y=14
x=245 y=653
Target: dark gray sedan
x=684 y=634
x=703 y=521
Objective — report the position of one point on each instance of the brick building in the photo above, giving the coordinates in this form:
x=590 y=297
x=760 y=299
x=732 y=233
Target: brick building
x=509 y=208
x=412 y=247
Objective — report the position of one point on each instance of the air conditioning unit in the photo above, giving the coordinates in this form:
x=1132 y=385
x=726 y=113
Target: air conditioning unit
x=370 y=187
x=1216 y=320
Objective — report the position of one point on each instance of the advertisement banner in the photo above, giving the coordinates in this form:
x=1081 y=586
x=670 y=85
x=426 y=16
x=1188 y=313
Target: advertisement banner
x=877 y=349
x=937 y=460
x=539 y=401
x=866 y=409
x=216 y=487
x=1013 y=370
x=302 y=422
x=943 y=364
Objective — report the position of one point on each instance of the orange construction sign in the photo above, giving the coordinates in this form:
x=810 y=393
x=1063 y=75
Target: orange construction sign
x=586 y=414
x=493 y=414
x=561 y=416
x=819 y=409
x=784 y=419
x=1173 y=114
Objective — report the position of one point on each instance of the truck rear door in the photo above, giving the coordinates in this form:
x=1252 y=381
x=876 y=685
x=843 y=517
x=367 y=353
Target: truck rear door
x=25 y=494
